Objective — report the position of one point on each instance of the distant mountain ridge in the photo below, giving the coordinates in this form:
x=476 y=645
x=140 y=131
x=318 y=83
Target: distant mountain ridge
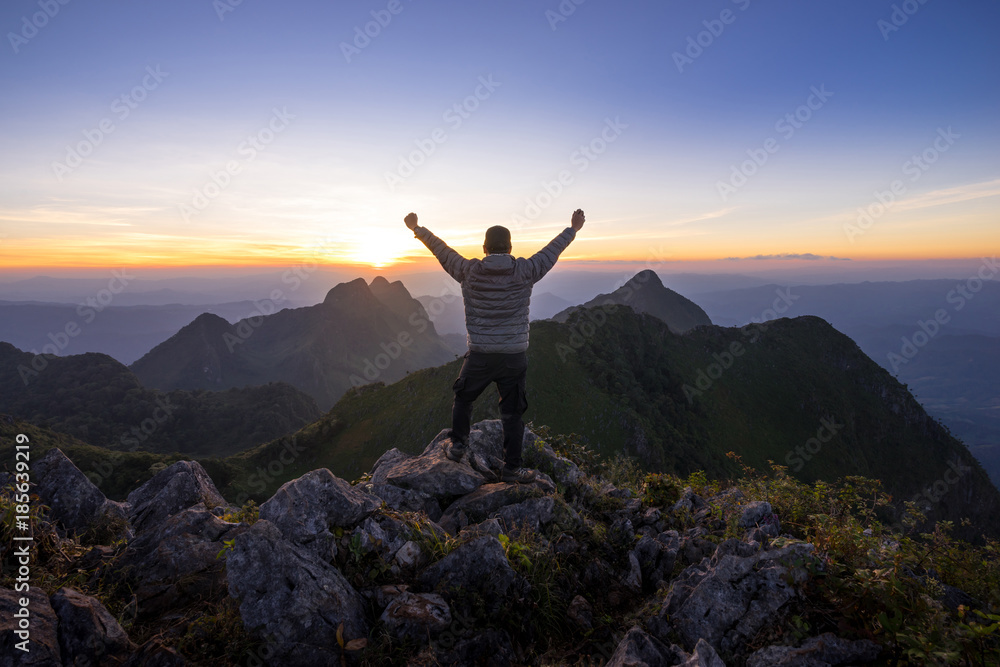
x=100 y=401
x=796 y=392
x=360 y=333
x=645 y=293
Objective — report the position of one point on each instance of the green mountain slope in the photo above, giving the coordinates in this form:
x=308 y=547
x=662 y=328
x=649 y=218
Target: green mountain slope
x=97 y=399
x=360 y=333
x=796 y=392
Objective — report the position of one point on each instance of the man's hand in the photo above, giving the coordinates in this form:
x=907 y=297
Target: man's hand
x=578 y=219
x=411 y=220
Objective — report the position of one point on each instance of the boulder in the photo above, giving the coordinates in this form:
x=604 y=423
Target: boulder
x=478 y=566
x=305 y=509
x=581 y=613
x=43 y=647
x=409 y=556
x=432 y=472
x=293 y=598
x=382 y=534
x=730 y=597
x=758 y=514
x=88 y=633
x=75 y=503
x=826 y=650
x=406 y=500
x=179 y=486
x=639 y=649
x=416 y=615
x=177 y=562
x=489 y=647
x=483 y=502
x=703 y=656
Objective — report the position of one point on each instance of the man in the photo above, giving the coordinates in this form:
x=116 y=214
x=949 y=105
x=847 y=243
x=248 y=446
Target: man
x=497 y=291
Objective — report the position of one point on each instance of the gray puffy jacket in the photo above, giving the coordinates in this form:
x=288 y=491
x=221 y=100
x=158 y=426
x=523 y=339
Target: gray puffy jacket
x=497 y=290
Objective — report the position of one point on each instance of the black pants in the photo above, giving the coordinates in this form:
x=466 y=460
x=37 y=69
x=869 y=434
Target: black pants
x=479 y=370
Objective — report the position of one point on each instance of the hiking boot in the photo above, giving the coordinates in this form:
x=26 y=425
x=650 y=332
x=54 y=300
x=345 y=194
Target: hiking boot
x=517 y=475
x=456 y=450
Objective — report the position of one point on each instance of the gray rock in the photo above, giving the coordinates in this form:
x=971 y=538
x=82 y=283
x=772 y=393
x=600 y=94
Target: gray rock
x=478 y=566
x=177 y=562
x=296 y=600
x=633 y=579
x=488 y=527
x=305 y=509
x=179 y=486
x=483 y=502
x=43 y=645
x=410 y=555
x=406 y=500
x=639 y=649
x=88 y=633
x=382 y=534
x=758 y=514
x=75 y=502
x=416 y=615
x=385 y=463
x=826 y=650
x=689 y=502
x=530 y=515
x=432 y=472
x=704 y=656
x=729 y=598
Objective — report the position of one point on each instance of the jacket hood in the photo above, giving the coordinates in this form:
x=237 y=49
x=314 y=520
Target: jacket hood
x=495 y=264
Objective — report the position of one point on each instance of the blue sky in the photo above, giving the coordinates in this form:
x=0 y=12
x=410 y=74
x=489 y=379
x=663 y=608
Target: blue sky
x=556 y=86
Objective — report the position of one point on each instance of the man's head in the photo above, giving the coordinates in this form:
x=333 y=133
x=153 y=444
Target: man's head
x=497 y=240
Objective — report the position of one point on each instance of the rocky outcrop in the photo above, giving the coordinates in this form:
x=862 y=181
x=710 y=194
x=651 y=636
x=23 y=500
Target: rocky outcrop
x=305 y=509
x=479 y=566
x=730 y=597
x=88 y=633
x=32 y=640
x=178 y=562
x=827 y=650
x=179 y=486
x=293 y=598
x=416 y=615
x=76 y=504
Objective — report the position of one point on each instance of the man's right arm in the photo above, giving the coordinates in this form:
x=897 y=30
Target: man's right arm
x=456 y=265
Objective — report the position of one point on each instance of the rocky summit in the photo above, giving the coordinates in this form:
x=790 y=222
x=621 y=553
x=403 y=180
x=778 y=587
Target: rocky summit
x=427 y=561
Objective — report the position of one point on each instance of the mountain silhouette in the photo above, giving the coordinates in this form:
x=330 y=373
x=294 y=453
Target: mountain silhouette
x=360 y=333
x=645 y=293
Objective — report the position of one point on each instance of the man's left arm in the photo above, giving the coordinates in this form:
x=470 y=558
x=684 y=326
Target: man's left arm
x=542 y=261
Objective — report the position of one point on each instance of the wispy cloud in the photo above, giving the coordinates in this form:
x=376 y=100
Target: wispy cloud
x=807 y=256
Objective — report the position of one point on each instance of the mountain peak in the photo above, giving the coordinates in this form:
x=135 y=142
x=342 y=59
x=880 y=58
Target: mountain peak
x=646 y=276
x=349 y=293
x=645 y=293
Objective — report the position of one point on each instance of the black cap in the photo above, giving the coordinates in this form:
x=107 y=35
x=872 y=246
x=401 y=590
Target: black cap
x=497 y=239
